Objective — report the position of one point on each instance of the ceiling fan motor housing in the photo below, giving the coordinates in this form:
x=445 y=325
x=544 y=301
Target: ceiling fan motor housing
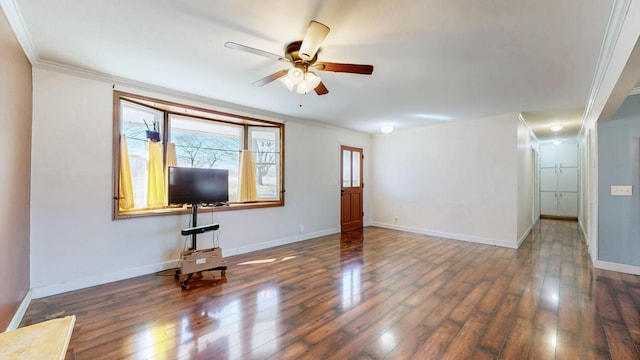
x=292 y=52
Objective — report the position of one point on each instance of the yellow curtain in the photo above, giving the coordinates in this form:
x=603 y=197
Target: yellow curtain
x=171 y=161
x=247 y=177
x=125 y=188
x=155 y=184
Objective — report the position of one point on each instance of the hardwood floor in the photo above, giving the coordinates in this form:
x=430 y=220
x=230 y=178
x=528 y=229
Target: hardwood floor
x=376 y=294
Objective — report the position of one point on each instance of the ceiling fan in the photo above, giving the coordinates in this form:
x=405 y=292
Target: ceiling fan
x=302 y=55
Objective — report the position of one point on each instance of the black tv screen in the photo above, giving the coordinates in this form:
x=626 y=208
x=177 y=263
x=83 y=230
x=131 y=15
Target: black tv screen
x=198 y=186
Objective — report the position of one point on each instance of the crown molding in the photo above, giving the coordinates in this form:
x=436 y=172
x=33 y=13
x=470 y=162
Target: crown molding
x=616 y=21
x=635 y=91
x=524 y=121
x=16 y=22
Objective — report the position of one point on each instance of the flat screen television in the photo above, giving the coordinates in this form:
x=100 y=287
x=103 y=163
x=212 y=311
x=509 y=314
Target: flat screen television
x=198 y=186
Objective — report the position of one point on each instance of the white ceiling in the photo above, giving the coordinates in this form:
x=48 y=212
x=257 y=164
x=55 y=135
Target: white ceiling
x=435 y=60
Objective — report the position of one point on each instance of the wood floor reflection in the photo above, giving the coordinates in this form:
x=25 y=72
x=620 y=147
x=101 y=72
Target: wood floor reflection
x=376 y=294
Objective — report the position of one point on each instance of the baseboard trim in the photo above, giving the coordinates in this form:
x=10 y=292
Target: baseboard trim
x=453 y=236
x=59 y=288
x=623 y=268
x=22 y=309
x=556 y=217
x=54 y=289
x=525 y=235
x=274 y=243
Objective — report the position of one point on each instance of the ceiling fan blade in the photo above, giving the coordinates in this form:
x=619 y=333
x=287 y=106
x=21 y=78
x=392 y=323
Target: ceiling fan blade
x=346 y=68
x=316 y=32
x=267 y=79
x=321 y=89
x=236 y=46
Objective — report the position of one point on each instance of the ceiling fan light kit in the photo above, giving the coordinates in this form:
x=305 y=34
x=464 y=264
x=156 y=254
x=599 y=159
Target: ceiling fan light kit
x=296 y=75
x=303 y=55
x=311 y=81
x=303 y=88
x=300 y=81
x=288 y=83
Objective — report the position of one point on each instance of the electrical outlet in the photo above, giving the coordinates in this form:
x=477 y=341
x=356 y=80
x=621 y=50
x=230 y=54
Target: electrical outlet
x=621 y=190
x=301 y=229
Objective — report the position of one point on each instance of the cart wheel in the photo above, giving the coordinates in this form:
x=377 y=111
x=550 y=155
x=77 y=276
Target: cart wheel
x=184 y=286
x=177 y=275
x=223 y=272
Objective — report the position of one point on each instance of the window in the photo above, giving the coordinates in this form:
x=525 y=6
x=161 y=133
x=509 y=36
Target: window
x=265 y=144
x=150 y=135
x=206 y=144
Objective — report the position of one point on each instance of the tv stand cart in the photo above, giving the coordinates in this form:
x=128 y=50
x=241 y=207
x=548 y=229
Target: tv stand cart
x=194 y=230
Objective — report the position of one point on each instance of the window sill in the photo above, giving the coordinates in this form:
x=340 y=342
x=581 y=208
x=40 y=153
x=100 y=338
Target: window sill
x=179 y=210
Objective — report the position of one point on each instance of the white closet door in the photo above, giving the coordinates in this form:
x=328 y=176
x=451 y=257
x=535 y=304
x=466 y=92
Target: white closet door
x=568 y=179
x=548 y=179
x=548 y=203
x=567 y=155
x=568 y=204
x=548 y=156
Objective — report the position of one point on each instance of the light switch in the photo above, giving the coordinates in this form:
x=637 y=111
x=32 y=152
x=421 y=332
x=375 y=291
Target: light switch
x=620 y=190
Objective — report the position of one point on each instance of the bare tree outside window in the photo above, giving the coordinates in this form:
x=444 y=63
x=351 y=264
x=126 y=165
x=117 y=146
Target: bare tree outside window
x=199 y=151
x=265 y=157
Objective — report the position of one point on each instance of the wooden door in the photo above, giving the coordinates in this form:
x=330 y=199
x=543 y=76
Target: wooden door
x=351 y=212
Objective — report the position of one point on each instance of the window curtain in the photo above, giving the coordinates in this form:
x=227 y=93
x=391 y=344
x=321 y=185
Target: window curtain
x=155 y=171
x=172 y=160
x=125 y=188
x=247 y=178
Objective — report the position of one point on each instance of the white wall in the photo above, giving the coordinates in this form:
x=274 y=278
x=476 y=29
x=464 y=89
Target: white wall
x=456 y=180
x=526 y=175
x=74 y=242
x=15 y=153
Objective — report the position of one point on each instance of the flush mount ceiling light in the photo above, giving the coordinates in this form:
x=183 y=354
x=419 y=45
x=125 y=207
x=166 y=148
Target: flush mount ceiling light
x=556 y=127
x=385 y=129
x=557 y=142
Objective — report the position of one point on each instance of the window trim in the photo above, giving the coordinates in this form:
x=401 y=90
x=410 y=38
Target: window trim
x=171 y=108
